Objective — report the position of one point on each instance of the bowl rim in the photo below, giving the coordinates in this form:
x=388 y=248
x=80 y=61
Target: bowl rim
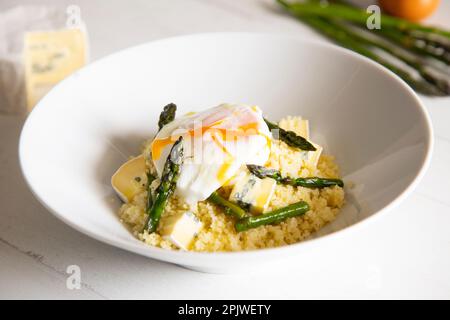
x=192 y=257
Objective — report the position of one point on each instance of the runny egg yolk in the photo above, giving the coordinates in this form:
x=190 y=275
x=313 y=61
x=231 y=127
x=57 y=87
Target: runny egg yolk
x=217 y=142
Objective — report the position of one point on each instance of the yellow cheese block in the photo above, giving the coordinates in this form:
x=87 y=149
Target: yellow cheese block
x=311 y=158
x=253 y=192
x=298 y=125
x=181 y=229
x=130 y=178
x=49 y=58
x=303 y=129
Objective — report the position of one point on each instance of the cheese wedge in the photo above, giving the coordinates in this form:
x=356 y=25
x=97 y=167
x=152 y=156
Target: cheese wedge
x=130 y=178
x=50 y=57
x=253 y=192
x=181 y=229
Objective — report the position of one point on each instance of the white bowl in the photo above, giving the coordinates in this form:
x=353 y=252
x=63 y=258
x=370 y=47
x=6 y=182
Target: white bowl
x=81 y=132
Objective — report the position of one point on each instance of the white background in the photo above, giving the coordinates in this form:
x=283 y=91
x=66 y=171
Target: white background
x=406 y=254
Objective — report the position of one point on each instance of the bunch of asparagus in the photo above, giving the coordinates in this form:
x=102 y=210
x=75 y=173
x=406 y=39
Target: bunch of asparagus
x=424 y=49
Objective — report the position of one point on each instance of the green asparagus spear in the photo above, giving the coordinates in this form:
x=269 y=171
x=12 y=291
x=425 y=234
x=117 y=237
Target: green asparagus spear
x=436 y=41
x=229 y=207
x=425 y=84
x=291 y=138
x=150 y=179
x=442 y=83
x=412 y=44
x=422 y=43
x=167 y=115
x=312 y=182
x=419 y=84
x=275 y=216
x=356 y=15
x=168 y=183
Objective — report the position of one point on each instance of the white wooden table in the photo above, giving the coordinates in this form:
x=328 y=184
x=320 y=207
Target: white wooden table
x=404 y=255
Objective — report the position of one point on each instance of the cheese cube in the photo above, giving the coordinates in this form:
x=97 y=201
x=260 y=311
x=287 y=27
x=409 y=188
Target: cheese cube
x=181 y=229
x=129 y=178
x=253 y=192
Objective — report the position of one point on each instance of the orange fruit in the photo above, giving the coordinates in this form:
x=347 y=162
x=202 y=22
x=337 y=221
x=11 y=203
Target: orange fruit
x=413 y=10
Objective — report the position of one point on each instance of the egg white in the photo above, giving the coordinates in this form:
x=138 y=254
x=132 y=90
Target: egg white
x=217 y=142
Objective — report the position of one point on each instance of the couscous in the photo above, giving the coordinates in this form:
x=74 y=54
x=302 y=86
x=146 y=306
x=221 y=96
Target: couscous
x=265 y=200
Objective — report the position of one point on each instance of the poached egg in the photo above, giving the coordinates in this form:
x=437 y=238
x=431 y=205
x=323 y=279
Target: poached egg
x=217 y=142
